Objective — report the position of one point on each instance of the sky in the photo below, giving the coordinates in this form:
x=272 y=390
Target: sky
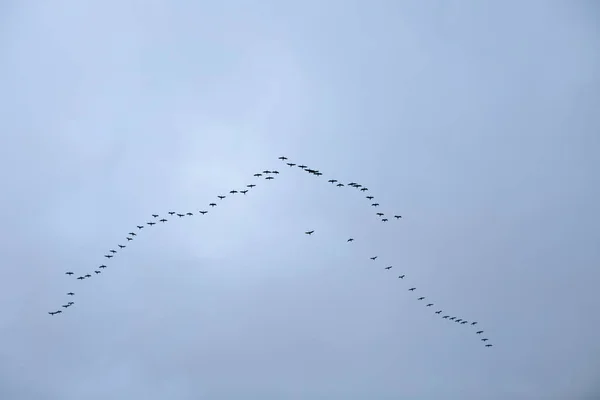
x=473 y=120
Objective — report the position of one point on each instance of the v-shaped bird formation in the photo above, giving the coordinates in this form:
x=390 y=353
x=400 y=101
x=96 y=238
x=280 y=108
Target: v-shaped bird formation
x=270 y=175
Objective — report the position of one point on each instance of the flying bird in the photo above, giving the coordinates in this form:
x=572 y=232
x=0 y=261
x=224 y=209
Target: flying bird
x=364 y=189
x=213 y=204
x=163 y=220
x=171 y=212
x=112 y=251
x=390 y=267
x=484 y=339
x=189 y=214
x=155 y=215
x=108 y=256
x=374 y=258
x=479 y=332
x=97 y=272
x=350 y=240
x=302 y=166
x=474 y=323
x=269 y=177
x=384 y=220
x=221 y=197
x=309 y=232
x=291 y=164
x=283 y=158
x=370 y=197
x=401 y=276
x=411 y=289
x=68 y=273
x=140 y=226
x=257 y=175
x=374 y=204
x=181 y=215
x=203 y=212
x=55 y=312
x=87 y=276
x=397 y=216
x=133 y=233
x=80 y=277
x=244 y=191
x=121 y=246
x=421 y=298
x=438 y=312
x=380 y=214
x=339 y=185
x=250 y=186
x=233 y=191
x=429 y=305
x=102 y=266
x=70 y=294
x=128 y=238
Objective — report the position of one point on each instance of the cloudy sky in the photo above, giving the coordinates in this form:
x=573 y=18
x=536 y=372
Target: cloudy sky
x=476 y=121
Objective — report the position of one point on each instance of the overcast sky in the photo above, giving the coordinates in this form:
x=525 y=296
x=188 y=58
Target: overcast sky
x=477 y=121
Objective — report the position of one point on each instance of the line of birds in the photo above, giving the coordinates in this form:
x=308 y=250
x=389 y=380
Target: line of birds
x=269 y=175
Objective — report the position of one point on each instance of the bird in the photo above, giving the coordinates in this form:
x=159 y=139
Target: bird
x=221 y=197
x=464 y=322
x=370 y=197
x=181 y=215
x=390 y=267
x=350 y=240
x=133 y=233
x=244 y=191
x=452 y=318
x=266 y=171
x=484 y=339
x=69 y=273
x=411 y=289
x=102 y=266
x=364 y=189
x=309 y=232
x=401 y=276
x=332 y=181
x=421 y=298
x=203 y=212
x=397 y=216
x=55 y=312
x=479 y=332
x=474 y=323
x=233 y=191
x=339 y=185
x=112 y=251
x=121 y=246
x=189 y=214
x=213 y=204
x=151 y=223
x=374 y=204
x=97 y=272
x=66 y=305
x=163 y=220
x=128 y=238
x=302 y=166
x=80 y=277
x=429 y=305
x=291 y=164
x=108 y=256
x=446 y=316
x=458 y=320
x=380 y=214
x=283 y=158
x=155 y=215
x=488 y=345
x=171 y=212
x=250 y=186
x=87 y=276
x=374 y=258
x=275 y=172
x=70 y=294
x=140 y=226
x=269 y=177
x=257 y=175
x=438 y=312
x=384 y=220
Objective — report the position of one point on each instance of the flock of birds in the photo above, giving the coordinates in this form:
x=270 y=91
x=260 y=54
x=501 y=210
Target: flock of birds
x=269 y=175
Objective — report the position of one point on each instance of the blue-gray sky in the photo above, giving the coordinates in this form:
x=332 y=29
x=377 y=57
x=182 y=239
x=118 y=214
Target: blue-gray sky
x=477 y=121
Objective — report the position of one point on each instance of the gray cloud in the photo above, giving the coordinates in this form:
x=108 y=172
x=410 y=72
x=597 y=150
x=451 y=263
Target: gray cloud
x=475 y=121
